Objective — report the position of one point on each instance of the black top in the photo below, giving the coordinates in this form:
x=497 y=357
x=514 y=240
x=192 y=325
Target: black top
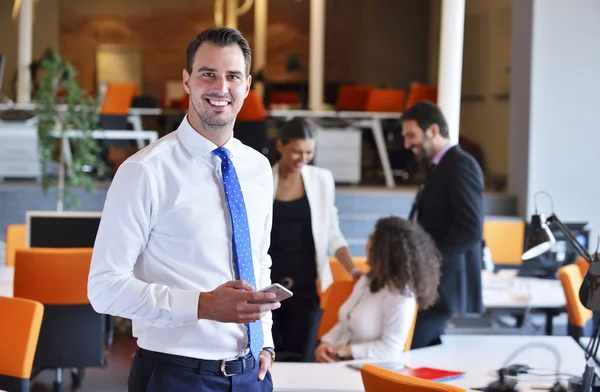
x=292 y=247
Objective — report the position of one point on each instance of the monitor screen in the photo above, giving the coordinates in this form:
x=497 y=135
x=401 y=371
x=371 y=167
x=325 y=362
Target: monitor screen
x=54 y=229
x=562 y=253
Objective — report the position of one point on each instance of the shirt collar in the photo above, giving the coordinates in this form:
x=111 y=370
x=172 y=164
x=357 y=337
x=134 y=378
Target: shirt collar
x=438 y=157
x=198 y=145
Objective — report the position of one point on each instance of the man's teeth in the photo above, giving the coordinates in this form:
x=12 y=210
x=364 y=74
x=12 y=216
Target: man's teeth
x=218 y=103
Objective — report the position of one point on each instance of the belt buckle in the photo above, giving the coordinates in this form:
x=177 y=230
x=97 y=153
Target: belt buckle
x=223 y=364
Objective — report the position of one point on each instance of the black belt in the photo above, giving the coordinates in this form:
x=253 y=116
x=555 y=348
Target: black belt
x=225 y=367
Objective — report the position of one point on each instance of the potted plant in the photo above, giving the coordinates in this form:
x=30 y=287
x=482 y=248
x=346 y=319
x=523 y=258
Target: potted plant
x=62 y=106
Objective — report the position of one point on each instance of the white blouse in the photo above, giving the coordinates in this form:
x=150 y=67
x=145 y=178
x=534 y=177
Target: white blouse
x=375 y=325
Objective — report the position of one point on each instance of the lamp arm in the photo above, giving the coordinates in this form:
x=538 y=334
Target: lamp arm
x=553 y=219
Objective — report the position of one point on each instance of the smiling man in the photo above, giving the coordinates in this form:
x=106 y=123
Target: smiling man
x=449 y=206
x=182 y=244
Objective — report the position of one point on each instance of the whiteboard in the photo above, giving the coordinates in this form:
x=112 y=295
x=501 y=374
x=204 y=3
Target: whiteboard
x=118 y=64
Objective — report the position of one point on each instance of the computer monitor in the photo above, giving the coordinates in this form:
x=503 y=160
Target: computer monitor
x=562 y=253
x=56 y=229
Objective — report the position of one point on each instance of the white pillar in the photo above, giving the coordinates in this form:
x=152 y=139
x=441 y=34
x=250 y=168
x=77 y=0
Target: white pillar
x=316 y=69
x=450 y=63
x=259 y=61
x=25 y=51
x=231 y=17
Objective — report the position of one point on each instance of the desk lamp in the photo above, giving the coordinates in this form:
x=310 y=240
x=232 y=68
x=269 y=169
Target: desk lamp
x=541 y=240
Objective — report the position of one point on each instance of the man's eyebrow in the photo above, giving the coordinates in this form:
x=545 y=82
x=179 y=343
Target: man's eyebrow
x=206 y=69
x=214 y=70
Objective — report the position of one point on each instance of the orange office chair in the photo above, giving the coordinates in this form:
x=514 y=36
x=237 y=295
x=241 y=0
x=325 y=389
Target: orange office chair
x=505 y=239
x=72 y=335
x=352 y=97
x=15 y=239
x=338 y=293
x=420 y=92
x=386 y=100
x=339 y=273
x=411 y=331
x=571 y=279
x=19 y=333
x=118 y=98
x=583 y=265
x=253 y=108
x=378 y=379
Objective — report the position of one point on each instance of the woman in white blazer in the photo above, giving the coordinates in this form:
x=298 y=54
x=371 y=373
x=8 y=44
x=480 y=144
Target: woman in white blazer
x=375 y=320
x=305 y=228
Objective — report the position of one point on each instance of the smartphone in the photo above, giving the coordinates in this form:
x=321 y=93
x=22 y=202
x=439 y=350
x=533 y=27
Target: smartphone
x=281 y=293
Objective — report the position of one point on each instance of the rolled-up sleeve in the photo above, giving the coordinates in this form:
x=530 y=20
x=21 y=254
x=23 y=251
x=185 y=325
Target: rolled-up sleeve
x=122 y=237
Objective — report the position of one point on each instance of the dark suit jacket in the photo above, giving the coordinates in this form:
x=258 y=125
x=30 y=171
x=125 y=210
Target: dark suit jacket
x=450 y=209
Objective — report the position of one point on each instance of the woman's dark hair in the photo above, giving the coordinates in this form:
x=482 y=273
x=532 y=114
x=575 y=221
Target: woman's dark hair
x=403 y=257
x=296 y=129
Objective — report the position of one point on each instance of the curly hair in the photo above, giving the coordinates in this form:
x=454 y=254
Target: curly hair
x=404 y=257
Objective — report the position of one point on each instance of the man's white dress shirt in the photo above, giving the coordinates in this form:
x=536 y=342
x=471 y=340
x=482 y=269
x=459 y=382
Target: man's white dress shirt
x=165 y=236
x=375 y=325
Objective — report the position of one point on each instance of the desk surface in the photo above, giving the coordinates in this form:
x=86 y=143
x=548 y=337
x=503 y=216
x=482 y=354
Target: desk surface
x=479 y=356
x=507 y=290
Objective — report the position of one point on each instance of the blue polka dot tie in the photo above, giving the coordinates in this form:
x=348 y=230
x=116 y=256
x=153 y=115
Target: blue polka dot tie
x=242 y=248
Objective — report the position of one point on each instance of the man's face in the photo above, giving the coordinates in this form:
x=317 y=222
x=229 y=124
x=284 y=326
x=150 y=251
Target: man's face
x=419 y=141
x=217 y=85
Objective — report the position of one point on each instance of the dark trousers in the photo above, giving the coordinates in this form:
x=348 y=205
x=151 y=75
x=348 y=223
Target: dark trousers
x=295 y=329
x=154 y=375
x=429 y=328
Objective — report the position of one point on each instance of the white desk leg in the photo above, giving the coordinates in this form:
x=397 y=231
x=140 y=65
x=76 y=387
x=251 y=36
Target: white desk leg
x=67 y=154
x=136 y=121
x=383 y=154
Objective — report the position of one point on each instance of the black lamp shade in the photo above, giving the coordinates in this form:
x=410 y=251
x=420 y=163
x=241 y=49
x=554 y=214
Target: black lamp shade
x=539 y=240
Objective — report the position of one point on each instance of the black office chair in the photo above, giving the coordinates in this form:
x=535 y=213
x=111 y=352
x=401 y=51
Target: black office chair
x=72 y=335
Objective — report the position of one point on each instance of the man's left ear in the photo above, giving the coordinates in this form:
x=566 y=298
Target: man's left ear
x=433 y=130
x=248 y=84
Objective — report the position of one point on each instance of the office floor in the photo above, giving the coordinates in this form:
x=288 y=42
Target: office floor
x=113 y=378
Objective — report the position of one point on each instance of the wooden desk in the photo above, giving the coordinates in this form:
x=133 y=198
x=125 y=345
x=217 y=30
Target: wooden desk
x=480 y=356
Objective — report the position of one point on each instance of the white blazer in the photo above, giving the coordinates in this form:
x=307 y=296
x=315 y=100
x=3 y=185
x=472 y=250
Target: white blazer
x=320 y=192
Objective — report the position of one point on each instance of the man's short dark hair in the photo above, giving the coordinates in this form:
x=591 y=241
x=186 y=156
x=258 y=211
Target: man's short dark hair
x=426 y=113
x=222 y=37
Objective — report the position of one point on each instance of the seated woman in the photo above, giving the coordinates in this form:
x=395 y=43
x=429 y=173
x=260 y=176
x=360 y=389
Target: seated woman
x=375 y=320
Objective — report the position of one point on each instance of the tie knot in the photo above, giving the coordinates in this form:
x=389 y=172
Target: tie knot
x=222 y=153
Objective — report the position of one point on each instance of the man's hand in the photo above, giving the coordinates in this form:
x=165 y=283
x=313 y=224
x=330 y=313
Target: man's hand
x=228 y=303
x=265 y=364
x=325 y=353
